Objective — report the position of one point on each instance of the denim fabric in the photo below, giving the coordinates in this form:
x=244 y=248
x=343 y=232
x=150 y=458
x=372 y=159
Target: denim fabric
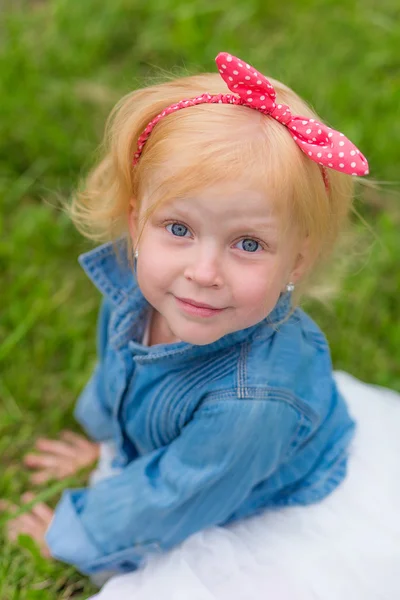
x=204 y=435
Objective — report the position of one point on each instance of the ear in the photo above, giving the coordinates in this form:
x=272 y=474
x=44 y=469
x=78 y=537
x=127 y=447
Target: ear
x=302 y=262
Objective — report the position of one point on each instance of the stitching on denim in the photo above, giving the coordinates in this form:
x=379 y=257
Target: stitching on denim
x=298 y=435
x=303 y=425
x=265 y=333
x=265 y=393
x=321 y=487
x=241 y=371
x=172 y=414
x=104 y=283
x=122 y=323
x=245 y=359
x=150 y=417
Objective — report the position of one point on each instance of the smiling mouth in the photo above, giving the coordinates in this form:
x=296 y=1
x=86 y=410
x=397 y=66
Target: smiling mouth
x=197 y=304
x=195 y=310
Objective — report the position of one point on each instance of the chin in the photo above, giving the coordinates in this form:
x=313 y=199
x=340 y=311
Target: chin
x=199 y=339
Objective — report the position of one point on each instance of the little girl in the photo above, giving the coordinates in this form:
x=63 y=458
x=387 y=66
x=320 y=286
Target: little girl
x=213 y=398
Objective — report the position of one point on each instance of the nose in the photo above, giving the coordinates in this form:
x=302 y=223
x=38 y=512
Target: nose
x=204 y=267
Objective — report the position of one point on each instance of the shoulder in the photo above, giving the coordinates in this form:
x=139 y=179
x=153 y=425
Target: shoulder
x=266 y=422
x=294 y=364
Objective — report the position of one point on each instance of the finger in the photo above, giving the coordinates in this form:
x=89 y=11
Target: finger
x=25 y=524
x=77 y=440
x=42 y=476
x=8 y=506
x=27 y=497
x=34 y=461
x=40 y=509
x=54 y=447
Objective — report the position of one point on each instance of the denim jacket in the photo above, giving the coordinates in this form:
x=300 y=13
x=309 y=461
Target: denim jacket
x=205 y=435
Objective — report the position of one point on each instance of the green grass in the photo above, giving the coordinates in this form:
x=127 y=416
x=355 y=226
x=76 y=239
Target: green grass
x=63 y=64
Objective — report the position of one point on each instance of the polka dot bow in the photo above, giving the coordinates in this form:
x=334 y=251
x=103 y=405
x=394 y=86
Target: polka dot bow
x=322 y=144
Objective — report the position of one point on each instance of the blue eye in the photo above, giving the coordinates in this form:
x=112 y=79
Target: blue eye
x=249 y=245
x=178 y=229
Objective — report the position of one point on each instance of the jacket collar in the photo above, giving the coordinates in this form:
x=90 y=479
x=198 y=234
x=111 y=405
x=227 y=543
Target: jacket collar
x=109 y=269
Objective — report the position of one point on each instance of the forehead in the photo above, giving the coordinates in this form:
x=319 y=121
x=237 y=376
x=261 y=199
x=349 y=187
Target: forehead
x=223 y=200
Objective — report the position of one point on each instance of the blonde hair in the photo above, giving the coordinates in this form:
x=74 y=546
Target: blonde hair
x=207 y=144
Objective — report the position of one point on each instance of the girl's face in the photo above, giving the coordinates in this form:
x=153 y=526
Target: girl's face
x=223 y=248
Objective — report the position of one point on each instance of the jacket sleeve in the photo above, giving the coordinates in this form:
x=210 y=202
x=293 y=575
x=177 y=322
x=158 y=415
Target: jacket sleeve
x=163 y=497
x=91 y=410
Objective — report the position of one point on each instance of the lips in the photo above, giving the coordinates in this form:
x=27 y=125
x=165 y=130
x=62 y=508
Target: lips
x=198 y=304
x=204 y=311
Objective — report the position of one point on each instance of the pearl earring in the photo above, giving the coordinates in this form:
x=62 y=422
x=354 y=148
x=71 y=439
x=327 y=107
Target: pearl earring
x=136 y=253
x=290 y=286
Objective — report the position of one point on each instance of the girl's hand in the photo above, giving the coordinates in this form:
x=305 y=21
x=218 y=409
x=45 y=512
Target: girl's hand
x=58 y=459
x=34 y=523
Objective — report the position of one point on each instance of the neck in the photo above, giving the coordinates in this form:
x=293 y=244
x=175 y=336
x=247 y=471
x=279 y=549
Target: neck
x=160 y=333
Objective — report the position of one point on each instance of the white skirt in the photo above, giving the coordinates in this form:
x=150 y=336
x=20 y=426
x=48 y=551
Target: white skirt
x=345 y=548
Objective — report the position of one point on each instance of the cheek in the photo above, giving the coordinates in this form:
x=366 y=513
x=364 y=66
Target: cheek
x=154 y=266
x=260 y=285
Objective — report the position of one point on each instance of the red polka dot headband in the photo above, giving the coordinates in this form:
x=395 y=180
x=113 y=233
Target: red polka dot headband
x=322 y=144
